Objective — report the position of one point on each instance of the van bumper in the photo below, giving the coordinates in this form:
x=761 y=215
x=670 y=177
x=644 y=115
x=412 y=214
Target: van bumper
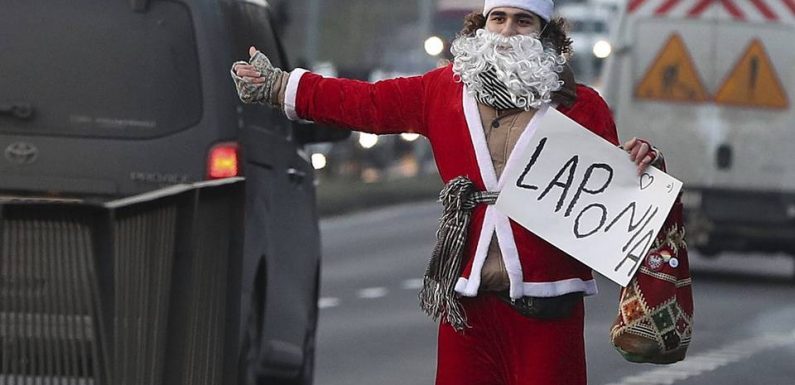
x=736 y=220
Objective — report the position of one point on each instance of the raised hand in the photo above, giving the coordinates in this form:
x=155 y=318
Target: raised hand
x=641 y=152
x=255 y=79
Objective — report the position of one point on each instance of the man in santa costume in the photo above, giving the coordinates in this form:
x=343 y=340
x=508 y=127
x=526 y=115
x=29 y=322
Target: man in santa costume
x=510 y=303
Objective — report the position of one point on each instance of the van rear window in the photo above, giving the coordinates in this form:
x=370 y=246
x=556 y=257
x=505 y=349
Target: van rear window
x=97 y=68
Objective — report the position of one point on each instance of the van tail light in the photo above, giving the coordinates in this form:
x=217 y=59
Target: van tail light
x=223 y=161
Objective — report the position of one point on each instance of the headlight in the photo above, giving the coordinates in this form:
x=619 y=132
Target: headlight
x=318 y=161
x=602 y=49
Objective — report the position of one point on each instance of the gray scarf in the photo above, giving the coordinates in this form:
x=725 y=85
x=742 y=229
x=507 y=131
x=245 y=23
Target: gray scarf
x=437 y=296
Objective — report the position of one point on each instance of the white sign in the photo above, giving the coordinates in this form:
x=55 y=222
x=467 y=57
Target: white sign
x=582 y=194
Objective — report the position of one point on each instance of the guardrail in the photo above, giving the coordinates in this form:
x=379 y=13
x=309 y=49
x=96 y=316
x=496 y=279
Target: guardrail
x=139 y=291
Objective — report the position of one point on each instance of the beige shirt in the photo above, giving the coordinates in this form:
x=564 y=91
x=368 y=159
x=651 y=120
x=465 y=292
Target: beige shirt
x=501 y=141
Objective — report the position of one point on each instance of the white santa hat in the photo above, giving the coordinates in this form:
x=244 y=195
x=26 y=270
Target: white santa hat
x=542 y=8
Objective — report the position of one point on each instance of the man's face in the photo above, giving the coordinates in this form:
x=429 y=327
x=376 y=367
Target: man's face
x=508 y=21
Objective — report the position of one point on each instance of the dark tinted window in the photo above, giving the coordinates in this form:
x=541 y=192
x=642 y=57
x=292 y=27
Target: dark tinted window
x=97 y=68
x=252 y=26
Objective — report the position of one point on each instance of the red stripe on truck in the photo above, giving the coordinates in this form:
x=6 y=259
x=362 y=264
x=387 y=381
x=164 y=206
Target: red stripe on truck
x=764 y=9
x=634 y=4
x=733 y=9
x=666 y=6
x=790 y=4
x=700 y=7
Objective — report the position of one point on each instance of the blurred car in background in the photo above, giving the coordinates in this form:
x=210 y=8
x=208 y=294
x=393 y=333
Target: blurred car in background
x=710 y=84
x=589 y=30
x=110 y=99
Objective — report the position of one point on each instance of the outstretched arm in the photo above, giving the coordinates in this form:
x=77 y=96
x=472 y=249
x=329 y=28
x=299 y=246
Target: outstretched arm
x=385 y=107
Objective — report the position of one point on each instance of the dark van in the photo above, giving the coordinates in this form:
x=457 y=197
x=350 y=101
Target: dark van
x=101 y=99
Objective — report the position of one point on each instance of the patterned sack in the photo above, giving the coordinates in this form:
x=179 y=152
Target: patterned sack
x=655 y=315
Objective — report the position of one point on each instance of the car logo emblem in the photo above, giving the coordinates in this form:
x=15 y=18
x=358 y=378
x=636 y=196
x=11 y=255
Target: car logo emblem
x=21 y=153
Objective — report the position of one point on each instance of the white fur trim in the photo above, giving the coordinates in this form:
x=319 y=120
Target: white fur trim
x=505 y=239
x=291 y=93
x=510 y=255
x=482 y=250
x=544 y=289
x=542 y=8
x=478 y=136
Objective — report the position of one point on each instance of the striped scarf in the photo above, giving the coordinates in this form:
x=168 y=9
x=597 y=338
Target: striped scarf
x=437 y=296
x=494 y=92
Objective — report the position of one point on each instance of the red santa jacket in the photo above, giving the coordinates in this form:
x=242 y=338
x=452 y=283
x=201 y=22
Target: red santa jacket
x=438 y=107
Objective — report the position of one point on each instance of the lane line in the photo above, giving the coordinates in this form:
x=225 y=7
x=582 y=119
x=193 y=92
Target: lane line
x=328 y=302
x=709 y=360
x=372 y=292
x=412 y=284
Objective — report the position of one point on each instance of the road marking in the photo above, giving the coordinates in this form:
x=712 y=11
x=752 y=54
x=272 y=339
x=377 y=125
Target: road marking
x=327 y=302
x=709 y=360
x=372 y=292
x=412 y=284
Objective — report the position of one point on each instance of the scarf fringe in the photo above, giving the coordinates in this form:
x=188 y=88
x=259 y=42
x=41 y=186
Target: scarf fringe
x=438 y=297
x=437 y=304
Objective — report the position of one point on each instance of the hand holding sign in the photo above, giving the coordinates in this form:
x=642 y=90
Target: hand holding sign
x=580 y=193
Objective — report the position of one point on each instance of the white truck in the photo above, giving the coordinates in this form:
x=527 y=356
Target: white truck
x=588 y=27
x=710 y=82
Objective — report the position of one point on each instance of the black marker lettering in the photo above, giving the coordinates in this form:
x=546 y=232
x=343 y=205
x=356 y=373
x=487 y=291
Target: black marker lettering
x=636 y=258
x=533 y=159
x=641 y=229
x=601 y=220
x=631 y=225
x=571 y=166
x=585 y=179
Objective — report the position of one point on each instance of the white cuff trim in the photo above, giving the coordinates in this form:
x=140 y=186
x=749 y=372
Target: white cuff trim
x=291 y=94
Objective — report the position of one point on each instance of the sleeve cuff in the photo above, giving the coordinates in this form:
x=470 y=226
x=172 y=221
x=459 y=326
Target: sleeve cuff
x=291 y=94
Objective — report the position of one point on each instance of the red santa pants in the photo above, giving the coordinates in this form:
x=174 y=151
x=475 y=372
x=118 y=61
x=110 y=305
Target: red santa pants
x=505 y=348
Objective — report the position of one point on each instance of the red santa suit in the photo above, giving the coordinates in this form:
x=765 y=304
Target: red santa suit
x=437 y=106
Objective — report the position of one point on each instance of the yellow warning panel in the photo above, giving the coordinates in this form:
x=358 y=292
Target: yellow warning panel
x=672 y=76
x=753 y=82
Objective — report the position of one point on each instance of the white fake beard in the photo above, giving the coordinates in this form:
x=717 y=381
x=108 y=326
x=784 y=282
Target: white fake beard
x=522 y=64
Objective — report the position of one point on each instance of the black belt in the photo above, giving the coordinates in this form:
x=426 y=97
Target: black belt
x=549 y=308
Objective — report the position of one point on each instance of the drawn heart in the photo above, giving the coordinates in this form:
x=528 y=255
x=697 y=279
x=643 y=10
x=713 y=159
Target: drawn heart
x=645 y=181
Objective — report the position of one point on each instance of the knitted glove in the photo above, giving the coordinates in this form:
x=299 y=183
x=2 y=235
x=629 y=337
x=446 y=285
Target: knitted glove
x=261 y=93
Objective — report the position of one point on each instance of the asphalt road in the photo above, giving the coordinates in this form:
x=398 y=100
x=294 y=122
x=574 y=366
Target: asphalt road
x=372 y=331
